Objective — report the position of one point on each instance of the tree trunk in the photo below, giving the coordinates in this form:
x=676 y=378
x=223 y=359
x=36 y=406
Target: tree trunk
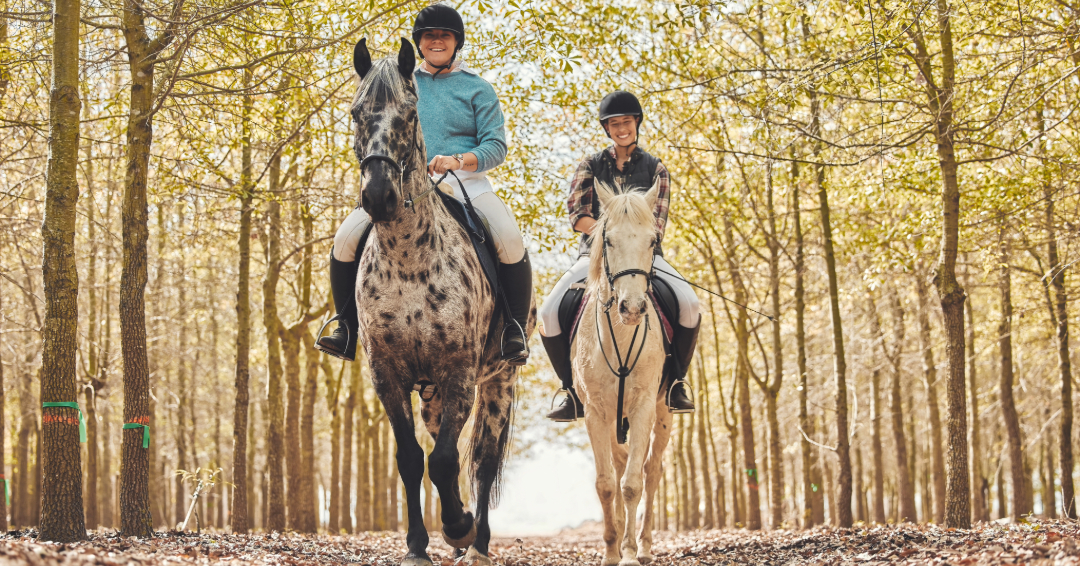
x=811 y=492
x=1055 y=279
x=979 y=511
x=62 y=519
x=332 y=405
x=1049 y=506
x=930 y=381
x=742 y=378
x=957 y=510
x=279 y=434
x=90 y=388
x=307 y=433
x=772 y=390
x=703 y=450
x=1005 y=387
x=142 y=53
x=860 y=491
x=240 y=506
x=93 y=518
x=875 y=447
x=294 y=465
x=843 y=487
x=905 y=486
x=363 y=463
x=180 y=424
x=345 y=507
x=6 y=487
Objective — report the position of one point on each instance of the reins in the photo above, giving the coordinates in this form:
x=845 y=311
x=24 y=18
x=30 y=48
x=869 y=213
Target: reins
x=622 y=424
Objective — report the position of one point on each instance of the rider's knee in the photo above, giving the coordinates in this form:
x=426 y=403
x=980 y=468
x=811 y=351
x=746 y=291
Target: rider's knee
x=348 y=235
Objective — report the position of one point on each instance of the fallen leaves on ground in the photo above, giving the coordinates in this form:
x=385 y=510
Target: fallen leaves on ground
x=1034 y=544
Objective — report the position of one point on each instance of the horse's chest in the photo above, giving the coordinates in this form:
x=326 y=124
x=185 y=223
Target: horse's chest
x=408 y=316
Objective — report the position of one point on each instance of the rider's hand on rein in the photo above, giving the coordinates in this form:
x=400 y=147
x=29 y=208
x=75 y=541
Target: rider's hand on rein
x=442 y=163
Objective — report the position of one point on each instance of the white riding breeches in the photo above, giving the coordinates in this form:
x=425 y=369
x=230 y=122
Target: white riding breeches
x=496 y=215
x=548 y=313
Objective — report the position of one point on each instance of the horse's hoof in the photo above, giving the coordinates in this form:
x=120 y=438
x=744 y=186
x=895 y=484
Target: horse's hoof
x=414 y=560
x=460 y=540
x=645 y=559
x=474 y=558
x=629 y=562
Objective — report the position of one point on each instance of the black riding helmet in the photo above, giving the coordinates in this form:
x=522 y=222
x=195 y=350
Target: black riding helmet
x=620 y=103
x=441 y=17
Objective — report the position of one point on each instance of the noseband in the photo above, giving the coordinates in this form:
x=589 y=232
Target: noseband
x=648 y=275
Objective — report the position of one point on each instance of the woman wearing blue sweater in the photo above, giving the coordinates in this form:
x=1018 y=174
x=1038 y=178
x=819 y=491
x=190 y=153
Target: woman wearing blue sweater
x=462 y=126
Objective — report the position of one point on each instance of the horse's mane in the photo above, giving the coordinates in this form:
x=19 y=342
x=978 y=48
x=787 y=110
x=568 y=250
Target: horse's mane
x=382 y=85
x=629 y=208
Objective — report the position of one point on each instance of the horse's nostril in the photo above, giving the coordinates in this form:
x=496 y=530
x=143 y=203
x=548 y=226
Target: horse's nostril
x=623 y=308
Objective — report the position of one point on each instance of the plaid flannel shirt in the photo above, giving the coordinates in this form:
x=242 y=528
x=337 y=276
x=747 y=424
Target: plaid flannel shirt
x=582 y=199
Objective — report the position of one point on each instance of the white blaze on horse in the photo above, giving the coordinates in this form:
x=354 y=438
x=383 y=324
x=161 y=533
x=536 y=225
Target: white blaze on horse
x=427 y=314
x=620 y=339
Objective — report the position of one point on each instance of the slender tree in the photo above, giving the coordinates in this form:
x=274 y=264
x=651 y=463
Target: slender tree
x=941 y=99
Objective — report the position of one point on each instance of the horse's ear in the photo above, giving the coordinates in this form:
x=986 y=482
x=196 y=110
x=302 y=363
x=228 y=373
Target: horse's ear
x=361 y=58
x=604 y=193
x=652 y=195
x=406 y=59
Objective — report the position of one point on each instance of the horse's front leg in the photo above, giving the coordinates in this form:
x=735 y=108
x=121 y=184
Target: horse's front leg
x=642 y=415
x=459 y=529
x=491 y=434
x=654 y=472
x=410 y=463
x=599 y=427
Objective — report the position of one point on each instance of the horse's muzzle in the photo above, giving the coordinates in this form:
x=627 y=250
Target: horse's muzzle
x=631 y=312
x=380 y=202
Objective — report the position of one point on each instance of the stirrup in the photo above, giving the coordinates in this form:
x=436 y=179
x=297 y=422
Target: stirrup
x=556 y=396
x=319 y=347
x=517 y=360
x=692 y=395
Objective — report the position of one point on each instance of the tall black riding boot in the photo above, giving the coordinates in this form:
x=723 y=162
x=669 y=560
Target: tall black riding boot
x=342 y=342
x=558 y=351
x=683 y=344
x=516 y=282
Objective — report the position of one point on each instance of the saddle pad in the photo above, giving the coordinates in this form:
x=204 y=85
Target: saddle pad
x=661 y=295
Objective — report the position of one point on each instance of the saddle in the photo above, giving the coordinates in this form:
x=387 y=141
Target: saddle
x=661 y=294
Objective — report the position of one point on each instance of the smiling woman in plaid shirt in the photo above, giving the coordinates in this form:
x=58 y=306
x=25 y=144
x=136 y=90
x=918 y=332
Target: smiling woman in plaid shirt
x=625 y=167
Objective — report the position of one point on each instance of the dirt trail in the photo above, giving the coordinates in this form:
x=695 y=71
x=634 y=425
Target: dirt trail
x=1037 y=543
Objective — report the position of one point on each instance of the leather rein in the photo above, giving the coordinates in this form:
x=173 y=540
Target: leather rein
x=622 y=424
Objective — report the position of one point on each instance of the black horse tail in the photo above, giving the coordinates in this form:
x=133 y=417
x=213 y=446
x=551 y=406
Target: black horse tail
x=491 y=437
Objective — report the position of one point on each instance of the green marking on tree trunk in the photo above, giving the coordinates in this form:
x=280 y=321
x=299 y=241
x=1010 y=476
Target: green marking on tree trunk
x=82 y=419
x=145 y=435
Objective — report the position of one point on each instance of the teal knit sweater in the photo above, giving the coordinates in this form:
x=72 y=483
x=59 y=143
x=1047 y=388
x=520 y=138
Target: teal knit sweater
x=459 y=113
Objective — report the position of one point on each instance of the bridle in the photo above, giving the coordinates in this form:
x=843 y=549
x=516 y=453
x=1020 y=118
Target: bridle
x=648 y=275
x=622 y=424
x=402 y=167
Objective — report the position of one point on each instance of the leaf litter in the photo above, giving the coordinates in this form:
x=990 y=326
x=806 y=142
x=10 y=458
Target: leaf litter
x=1035 y=543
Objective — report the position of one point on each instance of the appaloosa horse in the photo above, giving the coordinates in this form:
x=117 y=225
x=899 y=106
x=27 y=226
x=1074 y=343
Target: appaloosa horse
x=625 y=346
x=426 y=313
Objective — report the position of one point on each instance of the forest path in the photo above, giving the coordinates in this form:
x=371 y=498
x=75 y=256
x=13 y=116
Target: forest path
x=1037 y=543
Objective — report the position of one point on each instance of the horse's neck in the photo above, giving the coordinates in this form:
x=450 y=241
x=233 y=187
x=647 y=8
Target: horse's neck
x=398 y=237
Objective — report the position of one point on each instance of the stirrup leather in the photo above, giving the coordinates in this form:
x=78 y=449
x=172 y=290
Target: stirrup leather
x=691 y=394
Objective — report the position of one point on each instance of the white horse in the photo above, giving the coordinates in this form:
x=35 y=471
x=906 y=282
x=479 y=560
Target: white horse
x=620 y=333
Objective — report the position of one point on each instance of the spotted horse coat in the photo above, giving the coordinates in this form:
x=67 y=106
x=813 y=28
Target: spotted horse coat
x=426 y=313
